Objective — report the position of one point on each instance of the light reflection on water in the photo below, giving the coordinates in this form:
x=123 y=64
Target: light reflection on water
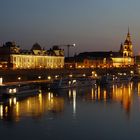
x=36 y=106
x=83 y=104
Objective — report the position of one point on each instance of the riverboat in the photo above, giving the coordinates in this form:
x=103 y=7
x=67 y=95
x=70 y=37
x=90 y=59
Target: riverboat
x=64 y=83
x=113 y=79
x=18 y=90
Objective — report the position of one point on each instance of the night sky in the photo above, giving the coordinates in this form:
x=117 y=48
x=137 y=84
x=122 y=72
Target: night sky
x=93 y=25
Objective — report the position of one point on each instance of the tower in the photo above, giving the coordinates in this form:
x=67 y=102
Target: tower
x=126 y=48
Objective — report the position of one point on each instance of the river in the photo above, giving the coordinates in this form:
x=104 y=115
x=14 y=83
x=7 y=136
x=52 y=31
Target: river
x=109 y=112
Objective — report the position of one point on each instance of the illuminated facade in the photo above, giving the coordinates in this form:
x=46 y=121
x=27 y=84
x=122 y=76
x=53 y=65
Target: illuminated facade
x=123 y=58
x=37 y=57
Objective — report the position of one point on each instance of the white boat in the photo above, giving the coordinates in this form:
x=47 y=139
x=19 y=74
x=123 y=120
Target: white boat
x=64 y=83
x=18 y=90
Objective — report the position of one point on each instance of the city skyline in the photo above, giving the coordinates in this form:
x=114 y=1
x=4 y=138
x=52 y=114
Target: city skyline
x=91 y=25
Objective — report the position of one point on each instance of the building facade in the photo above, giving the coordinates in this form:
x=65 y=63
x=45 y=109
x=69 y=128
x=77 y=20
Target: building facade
x=11 y=56
x=123 y=58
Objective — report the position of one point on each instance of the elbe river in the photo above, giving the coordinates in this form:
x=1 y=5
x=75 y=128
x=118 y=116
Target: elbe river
x=110 y=112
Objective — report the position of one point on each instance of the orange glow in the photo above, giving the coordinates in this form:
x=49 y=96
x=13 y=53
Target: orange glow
x=33 y=106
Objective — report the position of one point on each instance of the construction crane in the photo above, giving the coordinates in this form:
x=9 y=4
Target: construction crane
x=68 y=48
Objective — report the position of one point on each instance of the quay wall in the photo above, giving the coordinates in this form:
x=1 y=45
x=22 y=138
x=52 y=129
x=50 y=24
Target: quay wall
x=10 y=75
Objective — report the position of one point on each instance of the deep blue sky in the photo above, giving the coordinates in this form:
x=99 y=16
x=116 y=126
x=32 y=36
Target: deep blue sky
x=91 y=24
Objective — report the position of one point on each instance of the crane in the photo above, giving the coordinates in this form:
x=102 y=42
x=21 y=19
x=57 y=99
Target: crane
x=68 y=48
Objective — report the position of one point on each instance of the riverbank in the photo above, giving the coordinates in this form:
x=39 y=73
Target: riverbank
x=10 y=75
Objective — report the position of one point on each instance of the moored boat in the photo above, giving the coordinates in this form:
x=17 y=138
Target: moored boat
x=113 y=79
x=18 y=90
x=64 y=83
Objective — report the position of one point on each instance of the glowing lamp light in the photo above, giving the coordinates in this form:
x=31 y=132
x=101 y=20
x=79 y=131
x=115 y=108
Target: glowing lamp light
x=95 y=75
x=84 y=75
x=70 y=75
x=74 y=45
x=49 y=77
x=19 y=78
x=39 y=77
x=56 y=76
x=132 y=72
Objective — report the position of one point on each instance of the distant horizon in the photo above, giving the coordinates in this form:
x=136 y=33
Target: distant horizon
x=93 y=25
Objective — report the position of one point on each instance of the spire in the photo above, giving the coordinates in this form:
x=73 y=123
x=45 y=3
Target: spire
x=128 y=38
x=128 y=35
x=128 y=31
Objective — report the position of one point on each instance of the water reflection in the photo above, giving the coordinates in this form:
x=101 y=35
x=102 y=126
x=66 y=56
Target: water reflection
x=36 y=106
x=123 y=94
x=14 y=109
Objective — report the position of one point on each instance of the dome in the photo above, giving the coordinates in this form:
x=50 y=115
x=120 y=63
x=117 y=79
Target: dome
x=36 y=46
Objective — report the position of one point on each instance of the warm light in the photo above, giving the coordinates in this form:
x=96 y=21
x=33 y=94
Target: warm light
x=74 y=45
x=6 y=109
x=10 y=101
x=132 y=72
x=74 y=81
x=69 y=82
x=56 y=76
x=1 y=80
x=84 y=75
x=70 y=75
x=39 y=77
x=93 y=72
x=51 y=95
x=49 y=77
x=69 y=93
x=19 y=78
x=14 y=90
x=1 y=110
x=15 y=100
x=74 y=102
x=10 y=90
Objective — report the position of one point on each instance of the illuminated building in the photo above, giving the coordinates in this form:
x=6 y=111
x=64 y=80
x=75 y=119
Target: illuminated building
x=13 y=57
x=123 y=58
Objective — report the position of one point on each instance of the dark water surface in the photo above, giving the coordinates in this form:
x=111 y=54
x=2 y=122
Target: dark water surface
x=104 y=113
